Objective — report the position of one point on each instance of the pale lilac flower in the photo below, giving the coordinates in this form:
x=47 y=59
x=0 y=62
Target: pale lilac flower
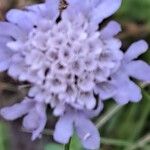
x=68 y=63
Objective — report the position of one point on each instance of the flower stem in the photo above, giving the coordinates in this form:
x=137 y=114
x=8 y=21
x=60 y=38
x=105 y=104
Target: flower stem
x=115 y=142
x=141 y=143
x=67 y=146
x=107 y=116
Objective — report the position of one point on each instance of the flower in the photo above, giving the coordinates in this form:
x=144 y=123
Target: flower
x=68 y=63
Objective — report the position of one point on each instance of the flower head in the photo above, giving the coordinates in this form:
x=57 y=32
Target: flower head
x=68 y=62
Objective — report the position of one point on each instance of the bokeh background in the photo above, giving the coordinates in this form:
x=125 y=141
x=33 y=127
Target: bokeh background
x=121 y=128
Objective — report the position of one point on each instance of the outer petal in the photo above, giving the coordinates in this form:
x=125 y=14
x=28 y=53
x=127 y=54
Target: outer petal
x=130 y=92
x=17 y=110
x=4 y=39
x=83 y=6
x=139 y=70
x=112 y=29
x=12 y=31
x=135 y=50
x=135 y=92
x=5 y=55
x=17 y=70
x=114 y=44
x=95 y=112
x=39 y=9
x=105 y=9
x=59 y=109
x=30 y=121
x=87 y=133
x=105 y=90
x=126 y=90
x=64 y=128
x=42 y=118
x=24 y=19
x=119 y=81
x=53 y=8
x=5 y=52
x=4 y=65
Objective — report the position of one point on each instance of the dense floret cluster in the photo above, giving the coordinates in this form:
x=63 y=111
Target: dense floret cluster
x=71 y=65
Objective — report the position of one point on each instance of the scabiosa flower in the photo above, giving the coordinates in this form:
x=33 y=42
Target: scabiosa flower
x=68 y=63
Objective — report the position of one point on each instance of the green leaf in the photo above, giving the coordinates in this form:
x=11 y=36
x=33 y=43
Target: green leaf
x=4 y=140
x=53 y=146
x=75 y=143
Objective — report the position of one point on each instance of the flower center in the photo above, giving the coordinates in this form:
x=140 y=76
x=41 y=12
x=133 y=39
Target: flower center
x=72 y=56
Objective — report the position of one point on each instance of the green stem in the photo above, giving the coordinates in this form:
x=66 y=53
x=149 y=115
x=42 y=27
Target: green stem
x=141 y=143
x=142 y=119
x=67 y=146
x=115 y=142
x=139 y=127
x=107 y=116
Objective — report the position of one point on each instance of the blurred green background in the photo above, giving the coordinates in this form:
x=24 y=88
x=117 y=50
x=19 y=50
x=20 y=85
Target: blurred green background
x=121 y=128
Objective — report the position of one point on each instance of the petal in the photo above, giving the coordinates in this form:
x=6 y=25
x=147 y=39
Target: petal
x=91 y=102
x=12 y=31
x=17 y=110
x=105 y=90
x=5 y=39
x=39 y=9
x=139 y=70
x=87 y=132
x=30 y=121
x=25 y=20
x=95 y=112
x=5 y=52
x=15 y=70
x=101 y=73
x=113 y=44
x=86 y=86
x=130 y=92
x=15 y=45
x=78 y=8
x=119 y=80
x=105 y=9
x=53 y=8
x=135 y=92
x=135 y=50
x=41 y=114
x=34 y=90
x=64 y=129
x=112 y=29
x=5 y=56
x=4 y=65
x=59 y=109
x=82 y=6
x=126 y=90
